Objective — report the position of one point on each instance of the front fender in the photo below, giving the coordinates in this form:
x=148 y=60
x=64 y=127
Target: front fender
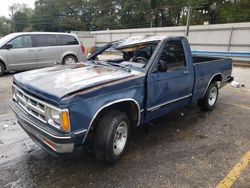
x=83 y=113
x=4 y=60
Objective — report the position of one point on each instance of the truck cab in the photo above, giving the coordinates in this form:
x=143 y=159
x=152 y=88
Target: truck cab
x=123 y=84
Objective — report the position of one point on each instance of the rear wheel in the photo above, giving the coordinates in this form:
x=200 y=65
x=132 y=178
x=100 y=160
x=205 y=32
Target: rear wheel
x=112 y=135
x=1 y=69
x=69 y=59
x=209 y=101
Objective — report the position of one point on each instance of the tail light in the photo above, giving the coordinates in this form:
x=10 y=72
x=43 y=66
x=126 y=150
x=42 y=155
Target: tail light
x=92 y=50
x=83 y=49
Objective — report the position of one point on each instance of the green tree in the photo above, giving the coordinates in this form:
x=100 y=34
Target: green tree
x=5 y=26
x=66 y=15
x=135 y=14
x=21 y=17
x=45 y=16
x=168 y=12
x=231 y=12
x=58 y=15
x=70 y=15
x=102 y=14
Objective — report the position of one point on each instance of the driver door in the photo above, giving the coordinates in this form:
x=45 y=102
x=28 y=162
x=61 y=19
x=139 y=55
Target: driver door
x=169 y=84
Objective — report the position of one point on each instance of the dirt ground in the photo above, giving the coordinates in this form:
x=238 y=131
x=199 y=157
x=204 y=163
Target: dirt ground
x=187 y=148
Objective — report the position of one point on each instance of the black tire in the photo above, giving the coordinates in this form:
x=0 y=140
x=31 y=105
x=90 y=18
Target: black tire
x=2 y=69
x=207 y=104
x=106 y=134
x=69 y=59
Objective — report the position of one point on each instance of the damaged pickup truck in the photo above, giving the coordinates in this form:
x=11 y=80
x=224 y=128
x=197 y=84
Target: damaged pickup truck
x=122 y=85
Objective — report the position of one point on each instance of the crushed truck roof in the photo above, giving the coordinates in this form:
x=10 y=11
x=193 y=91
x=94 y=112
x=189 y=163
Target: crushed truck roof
x=135 y=40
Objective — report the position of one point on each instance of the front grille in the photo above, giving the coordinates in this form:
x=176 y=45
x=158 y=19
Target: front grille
x=31 y=105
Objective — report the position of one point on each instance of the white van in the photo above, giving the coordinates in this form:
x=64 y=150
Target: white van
x=33 y=50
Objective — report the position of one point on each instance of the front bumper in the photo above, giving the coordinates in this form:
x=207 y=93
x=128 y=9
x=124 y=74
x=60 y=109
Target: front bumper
x=53 y=143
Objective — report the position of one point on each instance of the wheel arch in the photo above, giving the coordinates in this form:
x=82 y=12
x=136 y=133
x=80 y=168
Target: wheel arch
x=215 y=78
x=4 y=65
x=69 y=54
x=130 y=106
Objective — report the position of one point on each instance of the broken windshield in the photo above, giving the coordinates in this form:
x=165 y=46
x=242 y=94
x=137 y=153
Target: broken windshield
x=134 y=56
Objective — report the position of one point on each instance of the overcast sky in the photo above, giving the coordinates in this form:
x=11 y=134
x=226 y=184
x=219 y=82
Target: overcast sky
x=4 y=6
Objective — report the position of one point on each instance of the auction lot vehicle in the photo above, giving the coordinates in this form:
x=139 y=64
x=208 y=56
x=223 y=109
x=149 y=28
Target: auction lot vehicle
x=33 y=50
x=62 y=107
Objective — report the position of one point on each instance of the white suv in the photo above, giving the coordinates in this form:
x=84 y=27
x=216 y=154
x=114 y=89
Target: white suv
x=25 y=51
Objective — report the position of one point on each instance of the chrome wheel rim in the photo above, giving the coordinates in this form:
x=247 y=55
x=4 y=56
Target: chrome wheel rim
x=120 y=139
x=212 y=97
x=70 y=60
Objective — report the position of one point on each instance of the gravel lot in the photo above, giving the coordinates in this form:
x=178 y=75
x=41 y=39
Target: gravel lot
x=187 y=148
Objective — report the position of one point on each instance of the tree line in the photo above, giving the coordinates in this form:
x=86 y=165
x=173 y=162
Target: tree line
x=91 y=15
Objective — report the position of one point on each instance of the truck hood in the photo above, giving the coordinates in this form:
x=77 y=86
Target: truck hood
x=60 y=81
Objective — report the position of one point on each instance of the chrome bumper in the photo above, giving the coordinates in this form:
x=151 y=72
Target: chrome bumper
x=228 y=80
x=52 y=143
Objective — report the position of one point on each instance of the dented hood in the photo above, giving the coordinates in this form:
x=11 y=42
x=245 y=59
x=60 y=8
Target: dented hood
x=60 y=81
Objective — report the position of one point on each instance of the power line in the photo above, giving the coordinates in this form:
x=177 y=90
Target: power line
x=46 y=17
x=108 y=8
x=47 y=20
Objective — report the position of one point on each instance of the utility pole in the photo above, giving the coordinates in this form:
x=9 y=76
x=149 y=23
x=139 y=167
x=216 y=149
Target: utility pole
x=188 y=20
x=12 y=18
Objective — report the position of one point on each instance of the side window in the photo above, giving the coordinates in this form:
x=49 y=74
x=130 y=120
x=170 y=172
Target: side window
x=67 y=40
x=22 y=42
x=173 y=55
x=45 y=40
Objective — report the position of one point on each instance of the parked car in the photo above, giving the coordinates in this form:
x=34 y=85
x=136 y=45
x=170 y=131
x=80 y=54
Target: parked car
x=25 y=51
x=62 y=107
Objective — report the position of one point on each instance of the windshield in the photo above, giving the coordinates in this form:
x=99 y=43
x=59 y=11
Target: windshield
x=134 y=56
x=6 y=39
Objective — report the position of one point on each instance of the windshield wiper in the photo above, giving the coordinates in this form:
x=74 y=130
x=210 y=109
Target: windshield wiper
x=100 y=63
x=111 y=64
x=126 y=68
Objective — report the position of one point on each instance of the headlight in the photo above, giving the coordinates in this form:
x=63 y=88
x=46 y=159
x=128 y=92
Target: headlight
x=59 y=119
x=55 y=116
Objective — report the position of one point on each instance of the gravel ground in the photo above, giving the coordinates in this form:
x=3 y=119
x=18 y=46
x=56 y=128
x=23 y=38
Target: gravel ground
x=186 y=148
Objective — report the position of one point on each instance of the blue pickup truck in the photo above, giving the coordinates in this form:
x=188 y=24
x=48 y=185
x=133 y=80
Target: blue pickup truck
x=122 y=85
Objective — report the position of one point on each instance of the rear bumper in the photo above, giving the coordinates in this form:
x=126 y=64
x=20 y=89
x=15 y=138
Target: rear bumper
x=228 y=80
x=53 y=143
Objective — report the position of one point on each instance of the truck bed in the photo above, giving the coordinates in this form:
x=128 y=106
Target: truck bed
x=206 y=68
x=204 y=59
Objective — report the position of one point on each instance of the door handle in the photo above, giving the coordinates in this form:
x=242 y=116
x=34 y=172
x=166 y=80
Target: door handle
x=186 y=72
x=39 y=50
x=31 y=50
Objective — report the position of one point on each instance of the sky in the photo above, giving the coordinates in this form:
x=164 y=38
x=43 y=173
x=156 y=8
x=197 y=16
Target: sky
x=4 y=7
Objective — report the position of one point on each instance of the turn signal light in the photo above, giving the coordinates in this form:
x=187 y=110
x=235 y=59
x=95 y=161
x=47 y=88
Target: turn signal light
x=65 y=121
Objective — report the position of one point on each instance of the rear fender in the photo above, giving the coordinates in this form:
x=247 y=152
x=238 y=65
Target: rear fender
x=217 y=77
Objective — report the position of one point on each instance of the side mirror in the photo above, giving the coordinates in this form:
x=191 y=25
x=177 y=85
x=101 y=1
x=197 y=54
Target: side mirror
x=162 y=67
x=8 y=46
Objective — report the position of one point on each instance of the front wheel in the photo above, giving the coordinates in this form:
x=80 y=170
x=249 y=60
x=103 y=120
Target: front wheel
x=1 y=69
x=209 y=101
x=112 y=136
